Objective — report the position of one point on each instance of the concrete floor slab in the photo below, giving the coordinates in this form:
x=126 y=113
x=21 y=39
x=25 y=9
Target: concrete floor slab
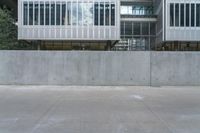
x=100 y=109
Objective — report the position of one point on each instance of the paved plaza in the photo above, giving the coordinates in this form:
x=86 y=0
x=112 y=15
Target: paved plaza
x=101 y=109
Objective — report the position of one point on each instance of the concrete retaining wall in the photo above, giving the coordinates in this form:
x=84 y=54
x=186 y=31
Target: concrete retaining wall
x=99 y=68
x=74 y=68
x=175 y=68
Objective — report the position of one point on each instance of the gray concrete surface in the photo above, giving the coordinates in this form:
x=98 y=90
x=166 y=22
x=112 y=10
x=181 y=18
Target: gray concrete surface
x=175 y=68
x=60 y=109
x=74 y=68
x=99 y=68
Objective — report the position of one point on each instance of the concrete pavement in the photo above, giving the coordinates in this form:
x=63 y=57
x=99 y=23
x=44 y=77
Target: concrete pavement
x=84 y=109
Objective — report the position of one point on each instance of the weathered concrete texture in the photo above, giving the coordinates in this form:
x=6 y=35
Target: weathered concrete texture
x=74 y=68
x=175 y=68
x=50 y=109
x=99 y=68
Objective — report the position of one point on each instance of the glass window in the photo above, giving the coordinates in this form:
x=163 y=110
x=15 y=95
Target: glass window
x=25 y=13
x=192 y=15
x=128 y=28
x=198 y=15
x=47 y=13
x=152 y=29
x=41 y=13
x=68 y=13
x=122 y=28
x=187 y=15
x=52 y=13
x=63 y=14
x=87 y=9
x=101 y=13
x=171 y=14
x=74 y=13
x=80 y=13
x=58 y=13
x=182 y=15
x=176 y=14
x=145 y=28
x=107 y=12
x=137 y=29
x=36 y=21
x=112 y=14
x=96 y=13
x=31 y=13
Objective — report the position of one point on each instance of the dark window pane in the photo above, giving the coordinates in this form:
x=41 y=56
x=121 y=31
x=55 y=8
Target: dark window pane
x=96 y=14
x=171 y=14
x=152 y=29
x=25 y=14
x=128 y=28
x=47 y=14
x=187 y=15
x=41 y=14
x=30 y=13
x=107 y=19
x=137 y=29
x=101 y=14
x=57 y=13
x=36 y=14
x=112 y=14
x=63 y=13
x=176 y=14
x=198 y=15
x=182 y=15
x=145 y=28
x=192 y=15
x=122 y=28
x=52 y=13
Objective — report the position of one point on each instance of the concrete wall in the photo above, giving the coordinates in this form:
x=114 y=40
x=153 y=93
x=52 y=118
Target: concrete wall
x=74 y=68
x=175 y=68
x=99 y=68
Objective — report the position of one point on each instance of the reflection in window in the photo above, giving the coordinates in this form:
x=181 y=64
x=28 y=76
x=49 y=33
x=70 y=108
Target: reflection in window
x=107 y=14
x=182 y=15
x=69 y=13
x=112 y=14
x=31 y=13
x=58 y=13
x=187 y=15
x=47 y=13
x=136 y=10
x=101 y=13
x=80 y=13
x=41 y=13
x=171 y=14
x=87 y=9
x=176 y=14
x=36 y=21
x=198 y=15
x=25 y=13
x=63 y=13
x=74 y=14
x=52 y=13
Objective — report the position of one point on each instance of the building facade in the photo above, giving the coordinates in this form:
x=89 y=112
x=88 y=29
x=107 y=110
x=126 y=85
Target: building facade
x=178 y=24
x=110 y=24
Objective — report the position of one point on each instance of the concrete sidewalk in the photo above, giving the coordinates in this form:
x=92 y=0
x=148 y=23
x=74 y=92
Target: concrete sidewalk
x=61 y=109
